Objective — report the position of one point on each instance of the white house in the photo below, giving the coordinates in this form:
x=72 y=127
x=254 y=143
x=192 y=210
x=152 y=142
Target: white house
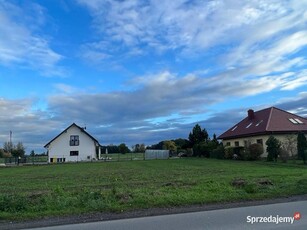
x=72 y=145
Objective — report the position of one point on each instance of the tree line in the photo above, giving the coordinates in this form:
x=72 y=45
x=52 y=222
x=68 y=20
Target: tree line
x=11 y=150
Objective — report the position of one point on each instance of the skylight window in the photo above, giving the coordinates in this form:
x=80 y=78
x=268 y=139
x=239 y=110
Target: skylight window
x=259 y=123
x=234 y=128
x=293 y=121
x=249 y=125
x=298 y=121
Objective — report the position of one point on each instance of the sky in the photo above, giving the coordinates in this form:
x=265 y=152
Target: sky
x=142 y=71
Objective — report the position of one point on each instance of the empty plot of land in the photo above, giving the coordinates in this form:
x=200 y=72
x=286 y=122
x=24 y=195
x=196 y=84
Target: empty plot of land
x=36 y=191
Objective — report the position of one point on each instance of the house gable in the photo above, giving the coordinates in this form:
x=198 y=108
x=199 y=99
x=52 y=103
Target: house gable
x=69 y=127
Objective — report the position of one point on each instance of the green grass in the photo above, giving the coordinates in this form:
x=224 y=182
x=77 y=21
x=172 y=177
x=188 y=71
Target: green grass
x=62 y=189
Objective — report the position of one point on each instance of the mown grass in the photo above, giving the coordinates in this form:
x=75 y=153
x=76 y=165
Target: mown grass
x=50 y=190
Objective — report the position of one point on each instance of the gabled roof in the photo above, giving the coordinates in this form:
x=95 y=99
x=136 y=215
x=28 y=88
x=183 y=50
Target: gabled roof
x=266 y=121
x=81 y=129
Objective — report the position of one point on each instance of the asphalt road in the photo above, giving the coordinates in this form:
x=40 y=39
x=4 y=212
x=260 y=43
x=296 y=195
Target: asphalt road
x=232 y=218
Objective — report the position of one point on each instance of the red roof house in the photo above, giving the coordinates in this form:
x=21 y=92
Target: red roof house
x=259 y=125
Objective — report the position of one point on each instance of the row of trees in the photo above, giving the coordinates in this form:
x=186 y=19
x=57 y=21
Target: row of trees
x=11 y=150
x=198 y=143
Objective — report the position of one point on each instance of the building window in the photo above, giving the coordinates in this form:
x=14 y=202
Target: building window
x=260 y=141
x=227 y=143
x=237 y=143
x=74 y=140
x=74 y=153
x=51 y=160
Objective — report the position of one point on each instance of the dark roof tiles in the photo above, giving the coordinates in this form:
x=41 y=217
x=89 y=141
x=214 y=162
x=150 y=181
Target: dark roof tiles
x=264 y=122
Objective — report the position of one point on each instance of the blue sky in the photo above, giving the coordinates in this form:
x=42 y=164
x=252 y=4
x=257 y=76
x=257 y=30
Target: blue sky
x=145 y=71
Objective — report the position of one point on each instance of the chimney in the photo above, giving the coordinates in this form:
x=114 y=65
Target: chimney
x=251 y=114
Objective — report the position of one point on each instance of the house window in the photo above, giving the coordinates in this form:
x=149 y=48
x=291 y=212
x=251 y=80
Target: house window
x=237 y=143
x=227 y=143
x=51 y=160
x=260 y=141
x=74 y=140
x=74 y=153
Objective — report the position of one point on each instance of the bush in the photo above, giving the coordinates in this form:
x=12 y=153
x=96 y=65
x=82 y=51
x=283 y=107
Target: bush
x=228 y=152
x=218 y=153
x=234 y=152
x=284 y=155
x=273 y=148
x=254 y=151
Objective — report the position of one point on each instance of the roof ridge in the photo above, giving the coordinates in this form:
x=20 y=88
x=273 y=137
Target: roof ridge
x=269 y=119
x=291 y=113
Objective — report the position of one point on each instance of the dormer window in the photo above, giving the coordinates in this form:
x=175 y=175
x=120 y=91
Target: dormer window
x=74 y=140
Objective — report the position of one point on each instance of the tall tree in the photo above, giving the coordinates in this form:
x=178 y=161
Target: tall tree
x=198 y=135
x=301 y=146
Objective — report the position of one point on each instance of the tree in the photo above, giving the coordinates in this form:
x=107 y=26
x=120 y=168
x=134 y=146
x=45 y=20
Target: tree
x=7 y=146
x=18 y=150
x=123 y=148
x=32 y=154
x=139 y=148
x=170 y=145
x=290 y=145
x=301 y=146
x=198 y=135
x=1 y=153
x=273 y=148
x=214 y=140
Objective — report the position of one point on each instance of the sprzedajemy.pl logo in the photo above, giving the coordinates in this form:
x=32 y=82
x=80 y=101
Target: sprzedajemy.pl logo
x=273 y=219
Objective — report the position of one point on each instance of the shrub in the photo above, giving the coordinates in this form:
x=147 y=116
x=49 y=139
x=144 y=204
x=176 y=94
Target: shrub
x=228 y=152
x=234 y=152
x=218 y=153
x=254 y=152
x=284 y=155
x=301 y=146
x=273 y=148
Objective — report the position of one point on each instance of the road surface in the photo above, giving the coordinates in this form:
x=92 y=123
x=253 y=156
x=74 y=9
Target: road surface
x=232 y=218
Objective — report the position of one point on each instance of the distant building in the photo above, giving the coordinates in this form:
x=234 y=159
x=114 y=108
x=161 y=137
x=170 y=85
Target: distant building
x=72 y=145
x=258 y=126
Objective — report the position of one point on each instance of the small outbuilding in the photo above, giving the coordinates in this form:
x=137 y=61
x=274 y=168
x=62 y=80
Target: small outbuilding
x=72 y=145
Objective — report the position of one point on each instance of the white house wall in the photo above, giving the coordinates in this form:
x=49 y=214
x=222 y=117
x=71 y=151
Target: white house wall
x=60 y=147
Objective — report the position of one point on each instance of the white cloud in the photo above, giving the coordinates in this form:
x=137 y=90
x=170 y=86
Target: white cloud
x=20 y=42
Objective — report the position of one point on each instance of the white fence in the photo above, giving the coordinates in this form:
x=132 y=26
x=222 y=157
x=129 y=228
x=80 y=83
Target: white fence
x=151 y=154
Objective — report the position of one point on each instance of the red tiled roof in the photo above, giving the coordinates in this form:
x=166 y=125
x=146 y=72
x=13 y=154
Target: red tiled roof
x=266 y=121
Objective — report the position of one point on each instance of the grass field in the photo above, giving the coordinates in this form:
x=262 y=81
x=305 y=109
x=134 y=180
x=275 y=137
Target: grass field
x=49 y=190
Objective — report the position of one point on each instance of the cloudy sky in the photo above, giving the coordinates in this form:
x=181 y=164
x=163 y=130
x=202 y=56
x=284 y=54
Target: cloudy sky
x=142 y=71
